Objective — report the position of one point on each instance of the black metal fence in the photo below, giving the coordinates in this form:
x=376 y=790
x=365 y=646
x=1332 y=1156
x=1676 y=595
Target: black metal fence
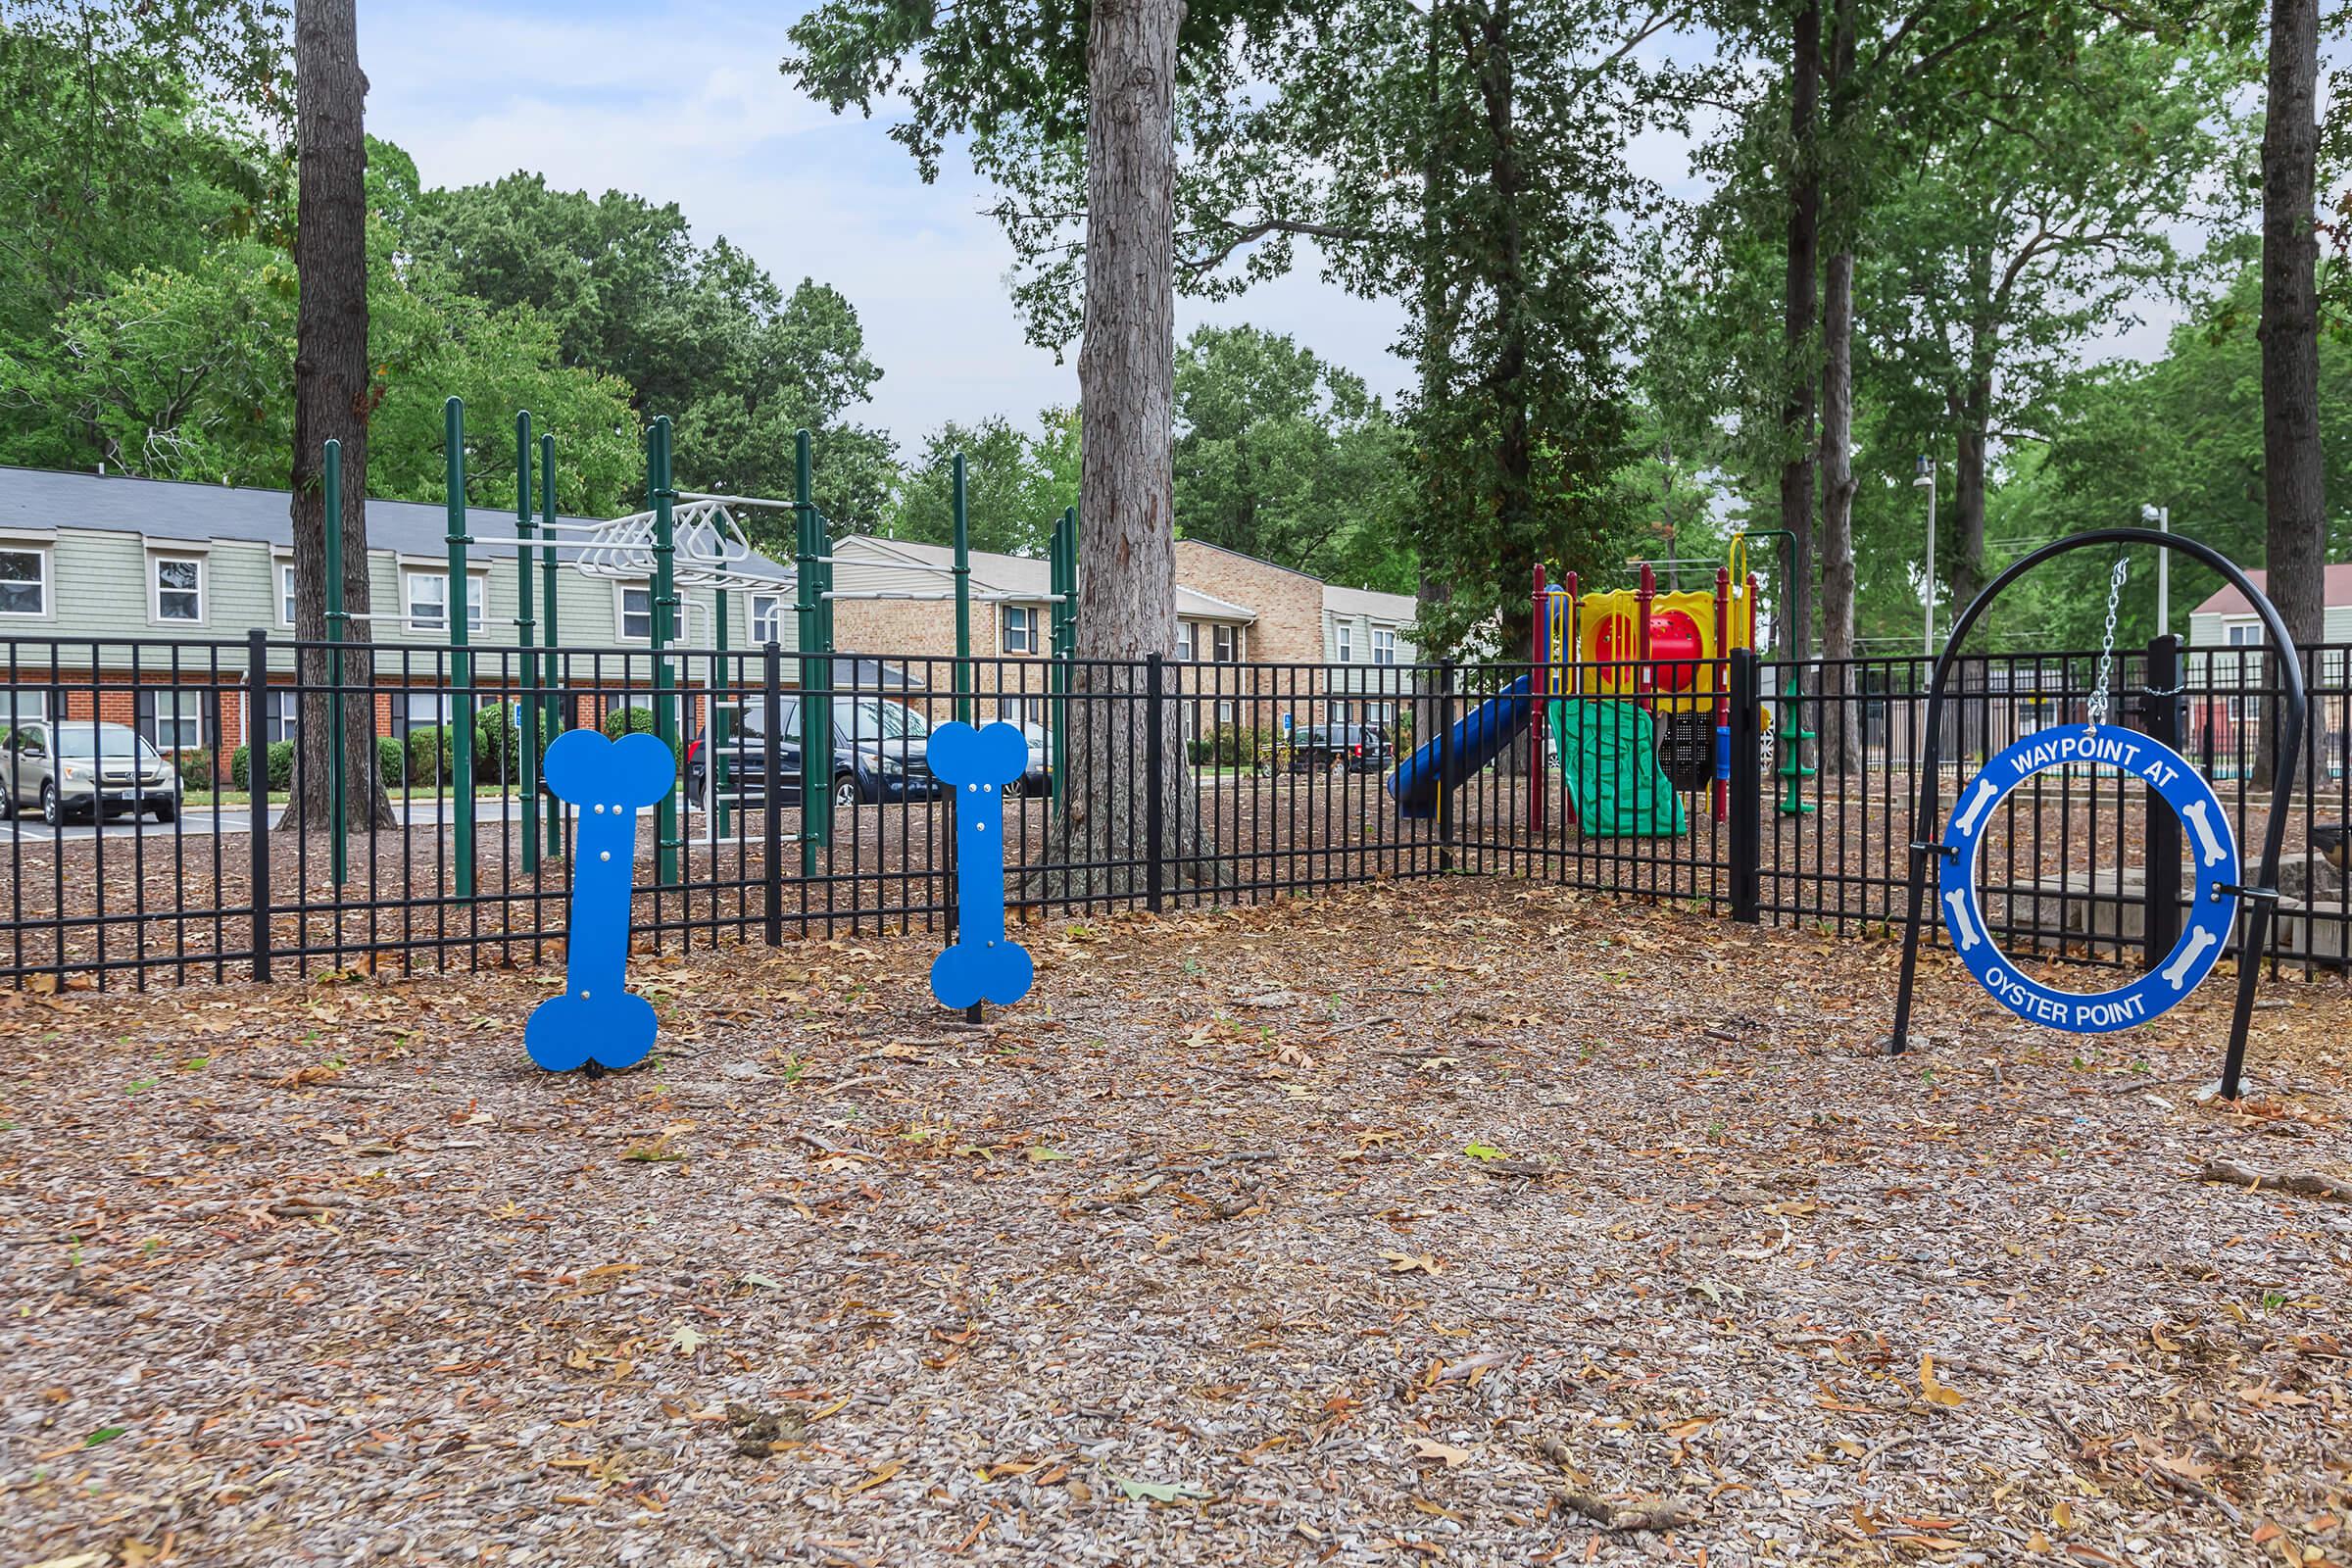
x=812 y=812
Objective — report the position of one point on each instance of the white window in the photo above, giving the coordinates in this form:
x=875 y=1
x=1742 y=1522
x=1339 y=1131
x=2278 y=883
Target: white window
x=2243 y=670
x=285 y=593
x=1021 y=709
x=1343 y=641
x=635 y=604
x=1228 y=644
x=1184 y=641
x=278 y=720
x=174 y=720
x=21 y=707
x=768 y=619
x=425 y=600
x=1384 y=645
x=178 y=585
x=24 y=582
x=1020 y=628
x=417 y=710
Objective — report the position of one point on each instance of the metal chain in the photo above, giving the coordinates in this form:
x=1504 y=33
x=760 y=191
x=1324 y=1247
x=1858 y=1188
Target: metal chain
x=2097 y=710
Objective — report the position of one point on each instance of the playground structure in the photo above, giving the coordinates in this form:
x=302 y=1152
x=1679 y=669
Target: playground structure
x=681 y=540
x=1633 y=687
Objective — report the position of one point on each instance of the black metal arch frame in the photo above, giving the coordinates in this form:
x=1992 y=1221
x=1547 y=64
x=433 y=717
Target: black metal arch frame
x=2257 y=899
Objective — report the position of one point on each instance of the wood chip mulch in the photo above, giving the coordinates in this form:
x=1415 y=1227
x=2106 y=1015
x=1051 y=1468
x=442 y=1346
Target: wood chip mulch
x=1476 y=1222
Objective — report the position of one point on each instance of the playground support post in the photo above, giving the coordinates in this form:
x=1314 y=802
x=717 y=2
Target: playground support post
x=961 y=532
x=772 y=795
x=817 y=745
x=1746 y=790
x=553 y=684
x=1644 y=597
x=1063 y=579
x=1538 y=643
x=2254 y=928
x=457 y=608
x=337 y=801
x=527 y=628
x=2160 y=712
x=663 y=625
x=715 y=809
x=258 y=834
x=1720 y=674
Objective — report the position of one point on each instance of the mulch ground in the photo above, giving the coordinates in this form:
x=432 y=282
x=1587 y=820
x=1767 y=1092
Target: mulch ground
x=1464 y=1222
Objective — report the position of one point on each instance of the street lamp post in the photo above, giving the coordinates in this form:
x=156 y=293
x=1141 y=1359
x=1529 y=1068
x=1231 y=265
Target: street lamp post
x=1927 y=481
x=2162 y=517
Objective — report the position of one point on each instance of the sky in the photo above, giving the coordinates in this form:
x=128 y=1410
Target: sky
x=681 y=101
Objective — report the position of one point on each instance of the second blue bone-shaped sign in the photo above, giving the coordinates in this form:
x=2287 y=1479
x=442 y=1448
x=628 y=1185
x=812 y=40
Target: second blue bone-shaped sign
x=984 y=964
x=598 y=1018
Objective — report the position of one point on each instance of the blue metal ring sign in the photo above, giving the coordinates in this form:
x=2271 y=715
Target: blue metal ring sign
x=2205 y=927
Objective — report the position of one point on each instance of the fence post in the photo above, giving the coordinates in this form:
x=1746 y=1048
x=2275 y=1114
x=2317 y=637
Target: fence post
x=1747 y=789
x=1445 y=764
x=257 y=833
x=1155 y=763
x=772 y=787
x=2161 y=711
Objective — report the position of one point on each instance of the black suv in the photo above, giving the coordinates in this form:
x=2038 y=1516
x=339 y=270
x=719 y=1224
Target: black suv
x=1338 y=748
x=881 y=752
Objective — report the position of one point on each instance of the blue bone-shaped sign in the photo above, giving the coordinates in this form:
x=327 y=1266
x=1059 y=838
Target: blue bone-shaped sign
x=598 y=1018
x=984 y=964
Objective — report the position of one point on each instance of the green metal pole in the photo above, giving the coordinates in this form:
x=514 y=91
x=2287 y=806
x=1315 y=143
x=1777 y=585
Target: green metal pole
x=721 y=724
x=528 y=739
x=817 y=741
x=555 y=673
x=332 y=536
x=963 y=596
x=1063 y=577
x=459 y=605
x=664 y=610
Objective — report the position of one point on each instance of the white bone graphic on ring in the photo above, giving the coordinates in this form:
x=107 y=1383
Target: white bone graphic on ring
x=2176 y=973
x=1986 y=793
x=1957 y=900
x=2208 y=842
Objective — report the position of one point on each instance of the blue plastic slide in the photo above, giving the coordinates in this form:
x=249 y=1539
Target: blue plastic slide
x=1476 y=741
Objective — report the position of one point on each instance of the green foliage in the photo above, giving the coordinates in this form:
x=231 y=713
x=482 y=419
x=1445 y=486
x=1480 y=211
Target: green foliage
x=194 y=764
x=391 y=761
x=702 y=335
x=1284 y=456
x=280 y=766
x=632 y=720
x=1016 y=483
x=1231 y=745
x=433 y=759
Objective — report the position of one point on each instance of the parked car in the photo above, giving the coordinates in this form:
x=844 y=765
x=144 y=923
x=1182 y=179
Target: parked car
x=80 y=767
x=1039 y=778
x=1338 y=748
x=881 y=752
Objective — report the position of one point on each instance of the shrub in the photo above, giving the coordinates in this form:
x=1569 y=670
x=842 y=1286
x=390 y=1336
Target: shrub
x=281 y=765
x=633 y=721
x=392 y=760
x=431 y=761
x=1231 y=745
x=497 y=746
x=195 y=766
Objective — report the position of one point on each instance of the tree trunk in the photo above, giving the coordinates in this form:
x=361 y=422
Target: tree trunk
x=1966 y=736
x=1800 y=312
x=1126 y=381
x=331 y=400
x=1840 y=726
x=2294 y=502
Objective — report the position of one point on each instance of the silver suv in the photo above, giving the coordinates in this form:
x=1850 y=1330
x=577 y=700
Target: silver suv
x=80 y=767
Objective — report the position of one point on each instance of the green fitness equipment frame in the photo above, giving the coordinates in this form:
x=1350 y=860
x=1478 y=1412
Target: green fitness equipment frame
x=645 y=545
